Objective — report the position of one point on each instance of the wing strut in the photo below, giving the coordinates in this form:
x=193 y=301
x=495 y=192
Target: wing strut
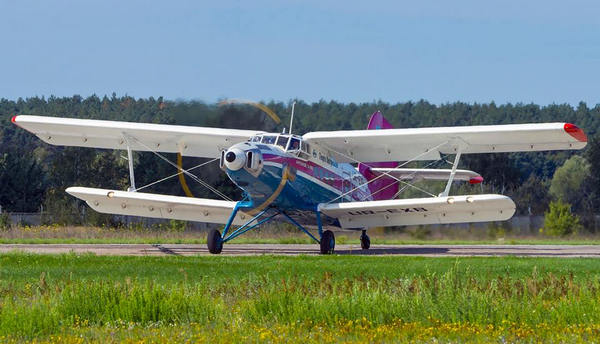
x=130 y=162
x=452 y=173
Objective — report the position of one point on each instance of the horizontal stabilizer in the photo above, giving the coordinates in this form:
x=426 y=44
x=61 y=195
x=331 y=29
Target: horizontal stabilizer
x=429 y=174
x=157 y=206
x=187 y=140
x=428 y=143
x=421 y=211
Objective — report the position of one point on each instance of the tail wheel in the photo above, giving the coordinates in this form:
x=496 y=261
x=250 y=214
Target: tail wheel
x=214 y=242
x=327 y=242
x=365 y=241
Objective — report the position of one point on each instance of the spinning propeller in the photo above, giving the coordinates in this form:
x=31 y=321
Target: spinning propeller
x=262 y=107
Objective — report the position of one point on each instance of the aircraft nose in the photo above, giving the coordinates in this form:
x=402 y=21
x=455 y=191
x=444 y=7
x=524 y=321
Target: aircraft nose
x=235 y=159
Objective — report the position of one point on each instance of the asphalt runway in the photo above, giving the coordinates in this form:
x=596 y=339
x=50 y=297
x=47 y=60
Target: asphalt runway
x=276 y=249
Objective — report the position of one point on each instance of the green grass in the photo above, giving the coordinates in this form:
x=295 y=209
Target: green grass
x=311 y=298
x=55 y=234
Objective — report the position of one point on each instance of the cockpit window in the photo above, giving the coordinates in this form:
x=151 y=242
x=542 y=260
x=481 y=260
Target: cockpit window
x=269 y=140
x=294 y=144
x=256 y=139
x=282 y=140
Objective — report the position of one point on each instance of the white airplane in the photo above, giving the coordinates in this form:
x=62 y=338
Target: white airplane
x=329 y=180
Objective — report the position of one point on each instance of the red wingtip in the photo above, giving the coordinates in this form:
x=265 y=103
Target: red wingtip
x=476 y=180
x=576 y=132
x=14 y=119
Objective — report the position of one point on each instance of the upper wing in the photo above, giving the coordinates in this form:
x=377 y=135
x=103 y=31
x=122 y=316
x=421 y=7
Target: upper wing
x=159 y=206
x=187 y=140
x=429 y=174
x=428 y=143
x=421 y=211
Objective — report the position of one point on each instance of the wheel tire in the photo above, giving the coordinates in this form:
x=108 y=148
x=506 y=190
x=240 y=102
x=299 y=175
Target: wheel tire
x=365 y=242
x=327 y=242
x=214 y=242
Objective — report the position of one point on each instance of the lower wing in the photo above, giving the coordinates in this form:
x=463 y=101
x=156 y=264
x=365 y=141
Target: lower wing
x=421 y=211
x=158 y=206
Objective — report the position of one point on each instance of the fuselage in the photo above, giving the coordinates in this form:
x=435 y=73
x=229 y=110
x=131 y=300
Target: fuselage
x=280 y=170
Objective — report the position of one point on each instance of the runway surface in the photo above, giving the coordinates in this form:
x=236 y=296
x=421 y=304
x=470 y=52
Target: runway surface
x=276 y=249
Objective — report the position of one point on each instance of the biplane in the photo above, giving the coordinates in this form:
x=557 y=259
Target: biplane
x=323 y=181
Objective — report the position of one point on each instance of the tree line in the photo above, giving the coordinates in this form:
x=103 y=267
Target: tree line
x=33 y=175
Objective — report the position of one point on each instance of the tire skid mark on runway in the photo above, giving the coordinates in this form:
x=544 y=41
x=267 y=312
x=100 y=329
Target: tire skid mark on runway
x=165 y=250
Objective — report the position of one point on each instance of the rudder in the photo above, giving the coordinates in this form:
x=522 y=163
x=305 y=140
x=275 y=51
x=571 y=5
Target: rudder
x=384 y=187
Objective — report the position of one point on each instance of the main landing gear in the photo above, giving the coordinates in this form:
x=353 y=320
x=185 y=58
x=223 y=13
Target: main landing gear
x=327 y=242
x=215 y=239
x=365 y=241
x=214 y=242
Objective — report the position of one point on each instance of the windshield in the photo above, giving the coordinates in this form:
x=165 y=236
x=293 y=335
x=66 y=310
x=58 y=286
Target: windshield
x=256 y=139
x=282 y=141
x=295 y=144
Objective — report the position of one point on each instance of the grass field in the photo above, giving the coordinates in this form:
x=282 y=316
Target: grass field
x=74 y=298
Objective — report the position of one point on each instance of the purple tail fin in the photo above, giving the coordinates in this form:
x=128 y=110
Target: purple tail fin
x=384 y=187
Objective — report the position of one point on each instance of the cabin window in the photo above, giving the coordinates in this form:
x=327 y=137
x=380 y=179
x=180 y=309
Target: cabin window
x=282 y=141
x=331 y=161
x=314 y=154
x=269 y=140
x=305 y=147
x=322 y=158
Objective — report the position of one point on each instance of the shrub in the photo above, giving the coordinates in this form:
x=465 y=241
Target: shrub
x=559 y=221
x=4 y=221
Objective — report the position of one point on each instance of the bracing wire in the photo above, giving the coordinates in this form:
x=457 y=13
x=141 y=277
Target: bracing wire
x=387 y=174
x=186 y=172
x=176 y=174
x=407 y=184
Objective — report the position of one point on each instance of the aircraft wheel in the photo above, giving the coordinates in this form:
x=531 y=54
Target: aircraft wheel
x=327 y=242
x=365 y=241
x=214 y=242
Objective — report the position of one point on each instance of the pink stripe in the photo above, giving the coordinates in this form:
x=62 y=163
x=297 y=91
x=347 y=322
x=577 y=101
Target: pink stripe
x=308 y=167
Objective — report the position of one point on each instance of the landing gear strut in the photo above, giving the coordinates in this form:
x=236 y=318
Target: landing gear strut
x=327 y=242
x=365 y=241
x=215 y=240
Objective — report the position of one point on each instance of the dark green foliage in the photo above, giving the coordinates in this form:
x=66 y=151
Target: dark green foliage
x=523 y=176
x=532 y=196
x=499 y=170
x=592 y=183
x=22 y=183
x=4 y=222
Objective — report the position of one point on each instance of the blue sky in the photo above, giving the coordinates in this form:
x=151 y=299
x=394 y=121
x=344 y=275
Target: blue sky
x=442 y=51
